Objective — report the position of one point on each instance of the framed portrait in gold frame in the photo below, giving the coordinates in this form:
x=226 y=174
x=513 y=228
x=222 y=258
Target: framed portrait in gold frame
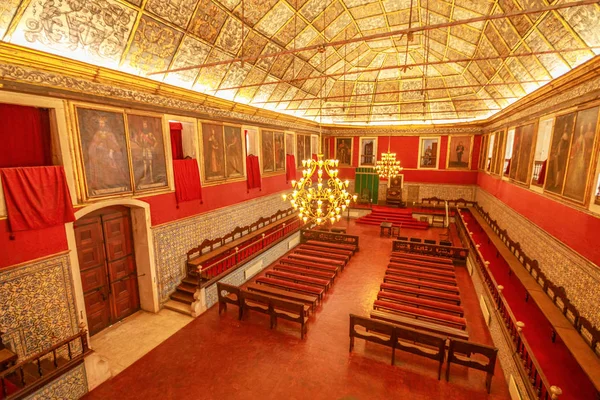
x=429 y=152
x=343 y=151
x=460 y=148
x=213 y=151
x=234 y=151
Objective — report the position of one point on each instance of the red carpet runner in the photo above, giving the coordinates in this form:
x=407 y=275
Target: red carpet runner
x=555 y=360
x=397 y=216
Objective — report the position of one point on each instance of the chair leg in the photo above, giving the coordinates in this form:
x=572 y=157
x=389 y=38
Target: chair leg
x=351 y=343
x=393 y=356
x=448 y=371
x=488 y=382
x=240 y=312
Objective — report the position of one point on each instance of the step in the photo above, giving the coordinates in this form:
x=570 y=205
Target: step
x=187 y=288
x=190 y=281
x=183 y=297
x=178 y=307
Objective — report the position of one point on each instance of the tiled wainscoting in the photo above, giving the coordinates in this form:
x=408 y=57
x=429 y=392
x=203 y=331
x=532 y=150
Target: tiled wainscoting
x=70 y=386
x=173 y=240
x=417 y=191
x=563 y=266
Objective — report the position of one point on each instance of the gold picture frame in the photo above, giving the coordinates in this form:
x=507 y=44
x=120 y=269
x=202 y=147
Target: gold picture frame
x=343 y=150
x=426 y=153
x=214 y=165
x=458 y=162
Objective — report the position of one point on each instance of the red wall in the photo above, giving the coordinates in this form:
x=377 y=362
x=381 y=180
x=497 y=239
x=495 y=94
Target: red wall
x=574 y=228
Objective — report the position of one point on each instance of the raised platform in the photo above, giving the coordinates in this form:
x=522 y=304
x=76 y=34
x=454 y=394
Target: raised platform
x=398 y=217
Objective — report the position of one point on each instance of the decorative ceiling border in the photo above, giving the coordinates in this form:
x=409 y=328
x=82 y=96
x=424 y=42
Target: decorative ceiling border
x=408 y=130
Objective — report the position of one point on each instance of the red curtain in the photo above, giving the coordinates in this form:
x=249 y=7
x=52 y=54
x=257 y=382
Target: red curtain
x=542 y=175
x=290 y=167
x=25 y=136
x=176 y=140
x=36 y=197
x=187 y=180
x=253 y=171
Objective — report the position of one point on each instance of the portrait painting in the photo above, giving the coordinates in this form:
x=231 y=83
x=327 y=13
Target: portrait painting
x=514 y=159
x=147 y=146
x=526 y=135
x=580 y=154
x=326 y=151
x=234 y=151
x=104 y=150
x=558 y=155
x=267 y=151
x=213 y=151
x=299 y=150
x=308 y=150
x=368 y=148
x=279 y=139
x=343 y=151
x=314 y=145
x=459 y=152
x=499 y=153
x=428 y=153
x=289 y=143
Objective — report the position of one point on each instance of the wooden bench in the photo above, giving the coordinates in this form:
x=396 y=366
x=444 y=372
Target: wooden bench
x=423 y=270
x=350 y=247
x=309 y=300
x=440 y=260
x=229 y=294
x=305 y=271
x=421 y=263
x=420 y=325
x=325 y=254
x=421 y=277
x=375 y=331
x=276 y=308
x=314 y=259
x=302 y=279
x=418 y=313
x=422 y=284
x=342 y=252
x=296 y=287
x=460 y=352
x=309 y=264
x=424 y=293
x=425 y=304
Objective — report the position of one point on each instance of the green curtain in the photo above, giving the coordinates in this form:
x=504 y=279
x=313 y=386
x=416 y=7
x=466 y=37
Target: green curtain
x=366 y=185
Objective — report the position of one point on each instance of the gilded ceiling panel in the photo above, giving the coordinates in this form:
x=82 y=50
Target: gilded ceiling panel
x=328 y=16
x=275 y=19
x=336 y=26
x=7 y=12
x=395 y=5
x=253 y=45
x=254 y=10
x=230 y=39
x=507 y=31
x=358 y=3
x=581 y=19
x=235 y=76
x=291 y=30
x=368 y=10
x=208 y=21
x=369 y=23
x=480 y=7
x=264 y=92
x=533 y=66
x=230 y=4
x=175 y=11
x=312 y=9
x=191 y=52
x=265 y=63
x=210 y=78
x=94 y=32
x=281 y=64
x=152 y=47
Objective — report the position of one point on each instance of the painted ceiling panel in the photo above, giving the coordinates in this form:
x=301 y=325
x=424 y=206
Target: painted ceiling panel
x=468 y=69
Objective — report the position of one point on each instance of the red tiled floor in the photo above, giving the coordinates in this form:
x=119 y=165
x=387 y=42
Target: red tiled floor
x=218 y=357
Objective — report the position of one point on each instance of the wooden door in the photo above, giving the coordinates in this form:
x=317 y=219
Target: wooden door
x=107 y=264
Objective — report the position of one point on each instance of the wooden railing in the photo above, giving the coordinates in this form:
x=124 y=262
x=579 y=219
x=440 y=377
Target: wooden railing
x=530 y=370
x=73 y=350
x=331 y=237
x=210 y=273
x=458 y=254
x=436 y=201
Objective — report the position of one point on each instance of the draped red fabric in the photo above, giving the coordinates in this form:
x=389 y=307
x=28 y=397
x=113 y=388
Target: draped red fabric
x=176 y=140
x=187 y=180
x=25 y=136
x=542 y=175
x=314 y=156
x=290 y=167
x=253 y=171
x=507 y=170
x=36 y=197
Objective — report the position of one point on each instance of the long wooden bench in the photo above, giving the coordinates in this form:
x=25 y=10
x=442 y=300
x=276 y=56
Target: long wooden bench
x=420 y=325
x=409 y=261
x=422 y=284
x=431 y=316
x=229 y=294
x=330 y=245
x=439 y=260
x=309 y=264
x=375 y=331
x=307 y=299
x=423 y=270
x=424 y=293
x=421 y=277
x=422 y=303
x=302 y=279
x=314 y=259
x=325 y=254
x=461 y=352
x=342 y=252
x=305 y=271
x=296 y=287
x=275 y=308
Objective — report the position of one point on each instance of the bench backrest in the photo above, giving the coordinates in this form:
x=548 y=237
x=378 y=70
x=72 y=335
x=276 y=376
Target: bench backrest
x=375 y=326
x=421 y=338
x=589 y=333
x=224 y=289
x=467 y=349
x=289 y=306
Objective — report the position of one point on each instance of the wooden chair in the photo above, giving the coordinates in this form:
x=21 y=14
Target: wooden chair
x=376 y=331
x=460 y=351
x=229 y=294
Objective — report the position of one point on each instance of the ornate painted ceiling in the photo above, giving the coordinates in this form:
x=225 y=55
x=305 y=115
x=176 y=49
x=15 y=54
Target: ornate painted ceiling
x=350 y=61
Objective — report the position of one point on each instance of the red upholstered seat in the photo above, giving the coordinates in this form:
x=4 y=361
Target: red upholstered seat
x=422 y=284
x=323 y=254
x=305 y=271
x=394 y=297
x=330 y=250
x=316 y=259
x=290 y=285
x=411 y=291
x=441 y=317
x=423 y=277
x=440 y=260
x=422 y=263
x=423 y=270
x=308 y=264
x=351 y=247
x=289 y=275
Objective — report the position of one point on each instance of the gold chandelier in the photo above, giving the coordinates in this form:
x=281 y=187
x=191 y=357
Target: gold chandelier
x=325 y=202
x=388 y=166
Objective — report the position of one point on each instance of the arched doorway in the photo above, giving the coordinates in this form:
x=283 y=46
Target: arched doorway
x=107 y=266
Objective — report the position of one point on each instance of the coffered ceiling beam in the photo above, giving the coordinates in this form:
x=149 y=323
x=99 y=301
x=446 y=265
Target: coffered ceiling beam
x=385 y=35
x=433 y=101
